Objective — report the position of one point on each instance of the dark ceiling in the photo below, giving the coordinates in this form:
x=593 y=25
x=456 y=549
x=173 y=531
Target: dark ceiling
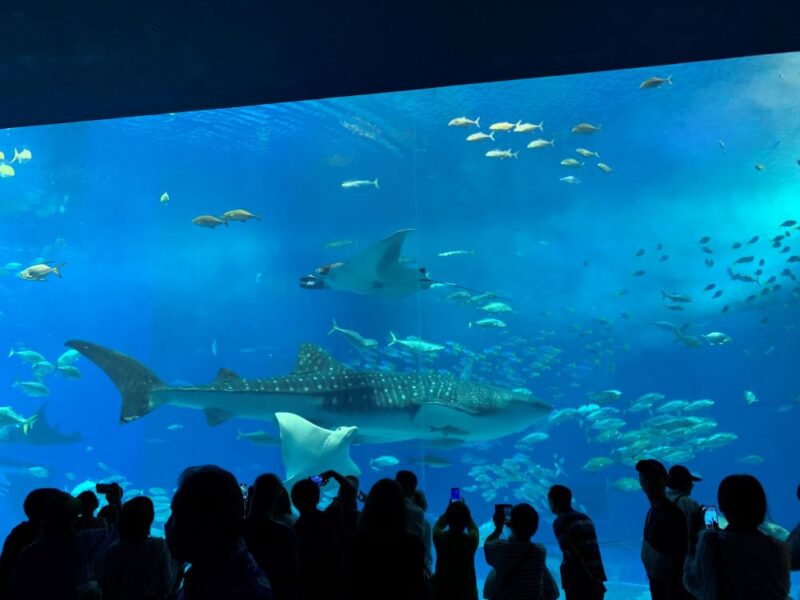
x=78 y=60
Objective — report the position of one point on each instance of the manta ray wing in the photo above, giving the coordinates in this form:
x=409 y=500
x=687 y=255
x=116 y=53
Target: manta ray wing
x=377 y=270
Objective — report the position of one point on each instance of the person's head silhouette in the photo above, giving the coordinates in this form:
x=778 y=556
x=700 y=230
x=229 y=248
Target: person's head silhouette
x=652 y=477
x=457 y=516
x=560 y=499
x=524 y=521
x=408 y=483
x=305 y=496
x=135 y=519
x=743 y=502
x=207 y=515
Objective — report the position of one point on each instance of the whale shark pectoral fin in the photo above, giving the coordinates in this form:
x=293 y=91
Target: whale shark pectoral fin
x=313 y=359
x=309 y=450
x=217 y=416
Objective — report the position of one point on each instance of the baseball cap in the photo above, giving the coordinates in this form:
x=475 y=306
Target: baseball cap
x=679 y=474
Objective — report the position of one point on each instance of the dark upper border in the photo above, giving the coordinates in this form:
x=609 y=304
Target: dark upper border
x=67 y=61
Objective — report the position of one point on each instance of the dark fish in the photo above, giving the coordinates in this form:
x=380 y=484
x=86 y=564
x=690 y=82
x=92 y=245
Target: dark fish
x=765 y=291
x=725 y=308
x=709 y=262
x=736 y=245
x=639 y=273
x=778 y=238
x=776 y=287
x=675 y=307
x=709 y=287
x=707 y=250
x=759 y=167
x=750 y=298
x=786 y=273
x=704 y=240
x=753 y=239
x=622 y=292
x=761 y=263
x=771 y=279
x=744 y=259
x=664 y=258
x=659 y=246
x=776 y=244
x=786 y=249
x=717 y=294
x=624 y=315
x=794 y=258
x=640 y=252
x=759 y=272
x=789 y=223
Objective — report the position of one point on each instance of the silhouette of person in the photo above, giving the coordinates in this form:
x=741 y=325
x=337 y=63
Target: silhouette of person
x=205 y=530
x=343 y=510
x=456 y=539
x=273 y=545
x=582 y=572
x=519 y=564
x=793 y=541
x=319 y=550
x=137 y=566
x=681 y=483
x=89 y=504
x=665 y=535
x=24 y=533
x=58 y=564
x=414 y=515
x=421 y=501
x=740 y=562
x=388 y=561
x=110 y=512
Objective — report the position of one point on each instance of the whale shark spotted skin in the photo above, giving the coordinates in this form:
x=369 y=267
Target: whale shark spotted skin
x=386 y=407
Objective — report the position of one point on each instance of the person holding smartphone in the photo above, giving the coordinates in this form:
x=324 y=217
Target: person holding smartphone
x=456 y=538
x=740 y=561
x=680 y=484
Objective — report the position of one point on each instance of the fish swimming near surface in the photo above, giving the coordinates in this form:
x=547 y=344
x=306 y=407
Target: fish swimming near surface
x=375 y=270
x=384 y=406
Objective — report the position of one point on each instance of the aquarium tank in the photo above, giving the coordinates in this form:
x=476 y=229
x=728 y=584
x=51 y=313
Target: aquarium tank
x=498 y=286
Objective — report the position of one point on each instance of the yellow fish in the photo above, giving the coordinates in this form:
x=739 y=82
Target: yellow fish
x=2 y=156
x=585 y=128
x=164 y=198
x=239 y=214
x=6 y=170
x=208 y=221
x=21 y=157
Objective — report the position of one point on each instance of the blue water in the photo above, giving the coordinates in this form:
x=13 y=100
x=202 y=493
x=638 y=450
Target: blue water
x=140 y=278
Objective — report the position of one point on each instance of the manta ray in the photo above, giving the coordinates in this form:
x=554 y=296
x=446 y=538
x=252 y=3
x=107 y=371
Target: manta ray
x=310 y=450
x=375 y=270
x=385 y=407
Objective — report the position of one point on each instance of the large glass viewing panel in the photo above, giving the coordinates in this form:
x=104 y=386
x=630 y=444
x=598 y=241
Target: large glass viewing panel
x=499 y=286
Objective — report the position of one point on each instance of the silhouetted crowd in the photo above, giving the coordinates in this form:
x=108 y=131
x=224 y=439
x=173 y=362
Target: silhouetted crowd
x=224 y=542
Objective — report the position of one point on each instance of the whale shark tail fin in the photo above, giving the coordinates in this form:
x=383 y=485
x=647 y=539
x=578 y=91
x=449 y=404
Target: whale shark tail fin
x=133 y=380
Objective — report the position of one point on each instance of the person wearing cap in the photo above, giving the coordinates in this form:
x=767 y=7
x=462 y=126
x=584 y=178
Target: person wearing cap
x=681 y=483
x=665 y=535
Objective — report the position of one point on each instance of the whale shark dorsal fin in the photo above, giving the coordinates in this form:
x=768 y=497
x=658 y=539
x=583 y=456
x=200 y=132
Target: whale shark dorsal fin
x=313 y=359
x=226 y=375
x=307 y=449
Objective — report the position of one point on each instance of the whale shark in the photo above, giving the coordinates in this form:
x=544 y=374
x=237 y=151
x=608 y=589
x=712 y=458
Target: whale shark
x=385 y=407
x=375 y=270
